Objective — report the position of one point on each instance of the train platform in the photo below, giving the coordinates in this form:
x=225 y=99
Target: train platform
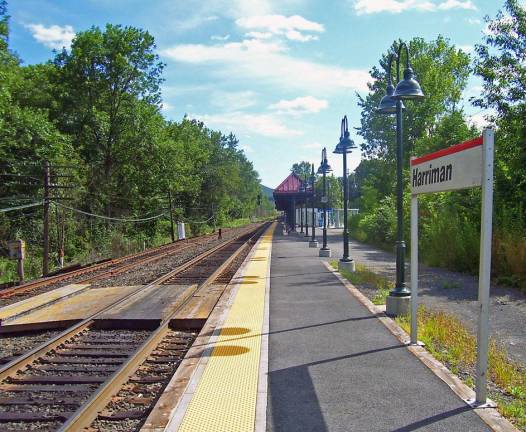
x=295 y=348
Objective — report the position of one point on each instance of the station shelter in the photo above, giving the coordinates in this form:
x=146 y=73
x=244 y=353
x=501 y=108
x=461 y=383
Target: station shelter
x=291 y=194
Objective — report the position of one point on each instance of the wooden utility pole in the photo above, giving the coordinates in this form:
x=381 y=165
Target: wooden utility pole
x=45 y=259
x=171 y=215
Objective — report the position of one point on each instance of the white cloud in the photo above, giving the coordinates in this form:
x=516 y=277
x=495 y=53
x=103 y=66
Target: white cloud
x=473 y=21
x=466 y=48
x=291 y=27
x=233 y=101
x=259 y=35
x=167 y=106
x=244 y=123
x=478 y=120
x=363 y=7
x=300 y=105
x=457 y=4
x=256 y=59
x=220 y=38
x=54 y=37
x=246 y=148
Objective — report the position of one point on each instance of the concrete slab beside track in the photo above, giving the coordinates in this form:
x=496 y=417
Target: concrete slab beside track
x=68 y=310
x=24 y=307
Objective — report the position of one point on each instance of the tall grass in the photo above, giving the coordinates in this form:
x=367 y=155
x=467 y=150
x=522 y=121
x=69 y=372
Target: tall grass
x=451 y=343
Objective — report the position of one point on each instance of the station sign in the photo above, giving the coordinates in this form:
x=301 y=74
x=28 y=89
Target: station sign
x=17 y=249
x=465 y=165
x=456 y=167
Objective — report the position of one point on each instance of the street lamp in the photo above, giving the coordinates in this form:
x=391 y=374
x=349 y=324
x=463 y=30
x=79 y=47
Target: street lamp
x=406 y=89
x=302 y=191
x=346 y=145
x=324 y=169
x=313 y=242
x=305 y=185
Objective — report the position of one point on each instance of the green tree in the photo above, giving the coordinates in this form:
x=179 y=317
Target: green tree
x=501 y=66
x=110 y=92
x=302 y=169
x=442 y=70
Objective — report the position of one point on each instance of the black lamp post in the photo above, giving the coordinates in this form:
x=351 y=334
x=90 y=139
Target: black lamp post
x=302 y=191
x=305 y=185
x=324 y=169
x=313 y=242
x=407 y=88
x=346 y=145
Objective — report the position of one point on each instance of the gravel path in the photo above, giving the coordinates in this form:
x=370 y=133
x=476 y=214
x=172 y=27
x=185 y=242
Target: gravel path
x=452 y=292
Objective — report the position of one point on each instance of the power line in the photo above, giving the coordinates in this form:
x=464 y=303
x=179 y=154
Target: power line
x=8 y=209
x=108 y=217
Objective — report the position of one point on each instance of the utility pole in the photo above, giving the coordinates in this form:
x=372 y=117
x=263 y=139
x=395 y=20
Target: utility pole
x=171 y=215
x=45 y=259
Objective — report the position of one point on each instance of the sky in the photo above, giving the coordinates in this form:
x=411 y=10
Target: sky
x=279 y=74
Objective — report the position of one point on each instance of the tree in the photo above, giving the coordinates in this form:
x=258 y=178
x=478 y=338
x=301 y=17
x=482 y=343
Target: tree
x=442 y=70
x=110 y=89
x=501 y=66
x=302 y=169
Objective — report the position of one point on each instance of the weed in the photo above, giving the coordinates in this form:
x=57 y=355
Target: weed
x=451 y=343
x=450 y=285
x=366 y=277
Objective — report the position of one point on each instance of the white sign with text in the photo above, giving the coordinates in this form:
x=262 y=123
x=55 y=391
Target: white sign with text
x=456 y=167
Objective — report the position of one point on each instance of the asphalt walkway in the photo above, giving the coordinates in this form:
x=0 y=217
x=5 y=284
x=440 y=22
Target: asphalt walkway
x=334 y=367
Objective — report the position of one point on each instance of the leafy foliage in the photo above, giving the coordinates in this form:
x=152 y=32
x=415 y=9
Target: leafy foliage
x=96 y=107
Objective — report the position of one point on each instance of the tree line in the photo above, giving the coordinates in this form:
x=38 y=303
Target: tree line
x=94 y=113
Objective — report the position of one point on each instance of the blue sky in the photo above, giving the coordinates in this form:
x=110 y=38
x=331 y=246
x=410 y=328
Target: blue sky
x=280 y=74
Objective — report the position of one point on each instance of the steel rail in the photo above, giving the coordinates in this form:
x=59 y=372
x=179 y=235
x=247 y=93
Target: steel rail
x=27 y=358
x=88 y=412
x=152 y=255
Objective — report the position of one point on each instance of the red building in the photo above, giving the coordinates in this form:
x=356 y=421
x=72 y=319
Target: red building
x=291 y=194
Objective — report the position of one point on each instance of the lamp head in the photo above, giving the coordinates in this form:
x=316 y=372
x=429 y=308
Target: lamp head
x=346 y=144
x=408 y=88
x=388 y=103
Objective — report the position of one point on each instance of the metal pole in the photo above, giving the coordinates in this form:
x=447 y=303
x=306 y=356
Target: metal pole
x=306 y=210
x=301 y=218
x=484 y=265
x=400 y=289
x=414 y=268
x=171 y=215
x=45 y=256
x=345 y=228
x=313 y=238
x=324 y=212
x=293 y=221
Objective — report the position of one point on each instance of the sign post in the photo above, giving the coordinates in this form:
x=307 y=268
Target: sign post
x=465 y=165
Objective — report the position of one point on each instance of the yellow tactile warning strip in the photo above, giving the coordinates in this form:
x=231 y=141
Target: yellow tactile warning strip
x=225 y=398
x=40 y=300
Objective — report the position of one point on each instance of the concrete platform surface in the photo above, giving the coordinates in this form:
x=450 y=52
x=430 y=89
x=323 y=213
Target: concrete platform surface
x=333 y=366
x=77 y=307
x=23 y=307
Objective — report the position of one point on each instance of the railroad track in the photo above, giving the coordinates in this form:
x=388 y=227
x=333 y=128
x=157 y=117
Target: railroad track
x=109 y=379
x=102 y=270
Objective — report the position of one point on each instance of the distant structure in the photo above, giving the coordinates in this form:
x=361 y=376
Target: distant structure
x=289 y=195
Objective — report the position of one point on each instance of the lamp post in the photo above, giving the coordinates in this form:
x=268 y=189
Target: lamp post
x=305 y=185
x=313 y=242
x=302 y=190
x=324 y=169
x=346 y=145
x=406 y=89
